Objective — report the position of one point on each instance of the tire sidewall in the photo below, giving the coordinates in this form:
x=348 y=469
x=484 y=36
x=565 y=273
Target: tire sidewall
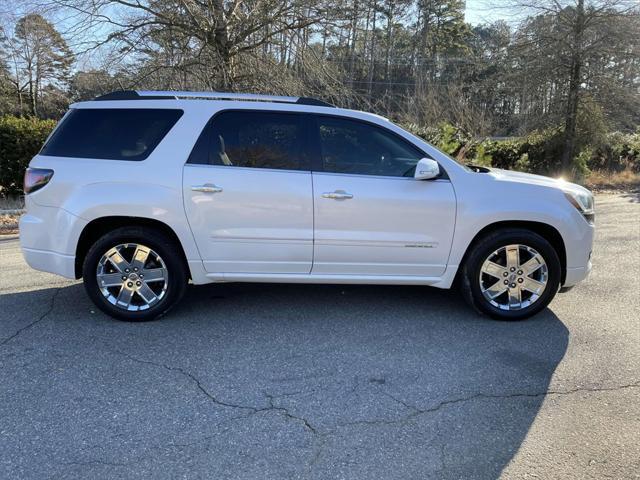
x=500 y=239
x=157 y=241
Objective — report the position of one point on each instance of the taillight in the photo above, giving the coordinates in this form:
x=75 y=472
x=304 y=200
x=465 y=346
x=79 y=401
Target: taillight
x=36 y=178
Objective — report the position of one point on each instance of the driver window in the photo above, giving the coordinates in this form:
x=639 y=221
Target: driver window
x=354 y=147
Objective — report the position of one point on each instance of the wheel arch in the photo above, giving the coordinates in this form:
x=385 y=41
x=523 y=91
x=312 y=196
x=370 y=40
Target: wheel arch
x=99 y=226
x=548 y=232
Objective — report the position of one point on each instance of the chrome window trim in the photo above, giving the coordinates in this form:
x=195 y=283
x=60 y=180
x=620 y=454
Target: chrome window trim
x=253 y=169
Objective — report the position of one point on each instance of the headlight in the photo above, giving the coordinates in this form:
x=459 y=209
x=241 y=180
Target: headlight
x=583 y=201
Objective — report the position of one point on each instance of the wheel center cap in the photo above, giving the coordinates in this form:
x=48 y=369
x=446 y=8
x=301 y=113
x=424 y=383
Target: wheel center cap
x=512 y=277
x=133 y=276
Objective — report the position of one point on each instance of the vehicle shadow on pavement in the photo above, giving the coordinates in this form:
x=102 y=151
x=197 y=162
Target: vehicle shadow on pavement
x=271 y=381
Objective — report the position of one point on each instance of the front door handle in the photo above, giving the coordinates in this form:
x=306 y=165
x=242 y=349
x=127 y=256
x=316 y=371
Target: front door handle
x=337 y=195
x=206 y=188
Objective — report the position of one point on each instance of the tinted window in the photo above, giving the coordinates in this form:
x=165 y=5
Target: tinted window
x=111 y=134
x=253 y=139
x=349 y=146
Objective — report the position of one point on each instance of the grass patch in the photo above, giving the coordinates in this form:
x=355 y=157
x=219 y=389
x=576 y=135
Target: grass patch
x=10 y=210
x=625 y=180
x=9 y=223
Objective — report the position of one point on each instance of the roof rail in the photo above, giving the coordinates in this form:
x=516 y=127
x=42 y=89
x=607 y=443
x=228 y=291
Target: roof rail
x=158 y=95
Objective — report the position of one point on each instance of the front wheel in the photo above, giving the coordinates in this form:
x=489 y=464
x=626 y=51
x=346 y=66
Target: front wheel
x=134 y=273
x=511 y=274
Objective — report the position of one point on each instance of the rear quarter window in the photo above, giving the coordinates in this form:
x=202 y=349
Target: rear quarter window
x=111 y=134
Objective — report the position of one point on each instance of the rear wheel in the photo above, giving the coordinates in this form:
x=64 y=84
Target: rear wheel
x=135 y=273
x=511 y=274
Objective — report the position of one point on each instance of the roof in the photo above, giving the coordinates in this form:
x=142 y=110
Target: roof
x=168 y=95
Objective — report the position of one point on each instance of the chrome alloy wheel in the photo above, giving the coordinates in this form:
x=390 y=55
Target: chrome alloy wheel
x=132 y=277
x=513 y=277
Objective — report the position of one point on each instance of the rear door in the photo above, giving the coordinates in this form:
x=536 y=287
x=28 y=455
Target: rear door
x=371 y=216
x=248 y=193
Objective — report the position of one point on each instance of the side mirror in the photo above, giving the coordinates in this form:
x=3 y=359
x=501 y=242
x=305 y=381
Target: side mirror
x=426 y=169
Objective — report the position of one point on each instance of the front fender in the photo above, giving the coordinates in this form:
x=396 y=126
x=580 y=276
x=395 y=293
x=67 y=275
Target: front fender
x=479 y=208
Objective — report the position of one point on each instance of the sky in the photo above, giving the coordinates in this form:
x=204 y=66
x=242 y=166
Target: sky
x=487 y=11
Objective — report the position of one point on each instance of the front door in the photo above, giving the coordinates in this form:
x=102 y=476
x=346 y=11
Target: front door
x=248 y=194
x=371 y=216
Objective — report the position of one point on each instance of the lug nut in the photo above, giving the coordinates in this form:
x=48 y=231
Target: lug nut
x=520 y=272
x=505 y=274
x=138 y=283
x=513 y=269
x=127 y=270
x=129 y=284
x=513 y=285
x=141 y=276
x=520 y=280
x=135 y=269
x=506 y=282
x=124 y=277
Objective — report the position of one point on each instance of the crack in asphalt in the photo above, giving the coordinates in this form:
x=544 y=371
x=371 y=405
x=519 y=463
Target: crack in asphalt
x=320 y=437
x=317 y=453
x=251 y=409
x=418 y=411
x=287 y=414
x=35 y=322
x=191 y=377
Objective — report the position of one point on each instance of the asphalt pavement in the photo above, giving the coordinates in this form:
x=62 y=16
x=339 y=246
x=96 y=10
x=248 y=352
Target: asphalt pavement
x=262 y=381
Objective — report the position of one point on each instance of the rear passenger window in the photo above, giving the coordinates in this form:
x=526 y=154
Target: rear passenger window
x=254 y=139
x=111 y=134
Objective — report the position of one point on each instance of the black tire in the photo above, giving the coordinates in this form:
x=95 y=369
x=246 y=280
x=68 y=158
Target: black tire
x=159 y=242
x=481 y=250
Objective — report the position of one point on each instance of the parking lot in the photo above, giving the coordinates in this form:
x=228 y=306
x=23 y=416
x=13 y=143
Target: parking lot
x=293 y=381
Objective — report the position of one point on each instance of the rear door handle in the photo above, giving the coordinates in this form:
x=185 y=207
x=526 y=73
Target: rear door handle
x=337 y=195
x=206 y=188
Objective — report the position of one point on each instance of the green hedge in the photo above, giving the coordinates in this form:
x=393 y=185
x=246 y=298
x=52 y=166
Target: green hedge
x=538 y=152
x=620 y=151
x=20 y=139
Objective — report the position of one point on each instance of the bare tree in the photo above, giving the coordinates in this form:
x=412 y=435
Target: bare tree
x=217 y=32
x=38 y=54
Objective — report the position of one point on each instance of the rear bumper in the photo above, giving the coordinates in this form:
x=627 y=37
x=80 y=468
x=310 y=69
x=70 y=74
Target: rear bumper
x=48 y=238
x=52 y=262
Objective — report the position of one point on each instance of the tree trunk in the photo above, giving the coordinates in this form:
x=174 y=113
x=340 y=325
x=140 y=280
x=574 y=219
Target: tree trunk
x=352 y=48
x=226 y=83
x=372 y=60
x=387 y=54
x=573 y=97
x=32 y=98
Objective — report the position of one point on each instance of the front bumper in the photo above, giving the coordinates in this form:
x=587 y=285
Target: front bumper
x=575 y=276
x=579 y=247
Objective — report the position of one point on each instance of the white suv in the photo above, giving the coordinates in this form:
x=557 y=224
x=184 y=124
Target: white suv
x=138 y=192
